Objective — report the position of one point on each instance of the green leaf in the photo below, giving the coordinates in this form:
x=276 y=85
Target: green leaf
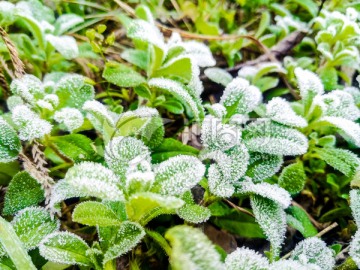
x=268 y=137
x=194 y=213
x=355 y=248
x=23 y=191
x=178 y=69
x=77 y=147
x=262 y=166
x=73 y=92
x=264 y=24
x=142 y=207
x=66 y=22
x=126 y=238
x=65 y=248
x=170 y=148
x=218 y=75
x=329 y=78
x=122 y=75
x=136 y=57
x=293 y=178
x=181 y=93
x=95 y=214
x=10 y=145
x=13 y=247
x=195 y=252
x=308 y=5
x=266 y=83
x=298 y=219
x=272 y=220
x=143 y=91
x=340 y=159
x=244 y=259
x=32 y=225
x=173 y=106
x=178 y=175
x=8 y=171
x=65 y=45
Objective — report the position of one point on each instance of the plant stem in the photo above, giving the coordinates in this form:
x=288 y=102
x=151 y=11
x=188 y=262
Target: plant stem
x=13 y=246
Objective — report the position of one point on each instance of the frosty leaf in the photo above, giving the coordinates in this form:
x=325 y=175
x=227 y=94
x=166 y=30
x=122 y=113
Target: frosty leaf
x=13 y=247
x=143 y=12
x=28 y=87
x=65 y=45
x=126 y=238
x=73 y=92
x=355 y=205
x=217 y=110
x=339 y=104
x=13 y=101
x=354 y=92
x=310 y=86
x=272 y=220
x=292 y=178
x=95 y=180
x=146 y=32
x=178 y=68
x=232 y=163
x=66 y=22
x=29 y=124
x=143 y=122
x=71 y=118
x=23 y=191
x=139 y=178
x=7 y=15
x=194 y=213
x=122 y=75
x=122 y=152
x=279 y=110
x=268 y=137
x=291 y=265
x=179 y=92
x=348 y=129
x=240 y=97
x=95 y=214
x=195 y=83
x=10 y=145
x=32 y=225
x=246 y=259
x=98 y=114
x=218 y=136
x=314 y=251
x=217 y=184
x=76 y=147
x=195 y=252
x=177 y=175
x=199 y=52
x=65 y=248
x=262 y=166
x=355 y=248
x=218 y=75
x=266 y=190
x=340 y=159
x=142 y=207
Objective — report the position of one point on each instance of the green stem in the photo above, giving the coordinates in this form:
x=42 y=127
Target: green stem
x=160 y=240
x=14 y=247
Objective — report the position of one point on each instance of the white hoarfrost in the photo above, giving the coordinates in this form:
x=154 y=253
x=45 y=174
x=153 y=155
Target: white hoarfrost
x=70 y=117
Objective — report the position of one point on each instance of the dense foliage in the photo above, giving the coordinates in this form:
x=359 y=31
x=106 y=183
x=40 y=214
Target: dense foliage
x=179 y=134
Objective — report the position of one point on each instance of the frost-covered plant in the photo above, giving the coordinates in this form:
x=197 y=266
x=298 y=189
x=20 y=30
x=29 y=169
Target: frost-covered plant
x=48 y=32
x=172 y=67
x=130 y=192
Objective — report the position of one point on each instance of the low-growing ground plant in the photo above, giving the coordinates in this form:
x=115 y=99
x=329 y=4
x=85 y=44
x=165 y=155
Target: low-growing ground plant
x=93 y=176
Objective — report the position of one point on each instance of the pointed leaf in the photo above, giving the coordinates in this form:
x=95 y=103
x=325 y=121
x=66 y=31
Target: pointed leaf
x=195 y=252
x=95 y=214
x=23 y=191
x=298 y=219
x=246 y=259
x=293 y=178
x=10 y=145
x=65 y=248
x=122 y=75
x=65 y=45
x=66 y=22
x=218 y=75
x=263 y=166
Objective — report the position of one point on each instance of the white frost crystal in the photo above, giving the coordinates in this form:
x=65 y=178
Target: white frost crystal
x=29 y=124
x=355 y=205
x=309 y=83
x=70 y=117
x=178 y=174
x=242 y=95
x=266 y=190
x=355 y=248
x=14 y=101
x=124 y=152
x=98 y=114
x=279 y=110
x=28 y=87
x=292 y=265
x=218 y=185
x=314 y=250
x=338 y=104
x=246 y=259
